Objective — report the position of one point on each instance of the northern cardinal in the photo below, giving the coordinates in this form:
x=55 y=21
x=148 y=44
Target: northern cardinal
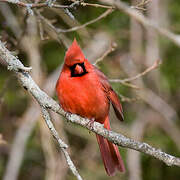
x=84 y=90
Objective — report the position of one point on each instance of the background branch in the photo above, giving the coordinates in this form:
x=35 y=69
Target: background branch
x=143 y=20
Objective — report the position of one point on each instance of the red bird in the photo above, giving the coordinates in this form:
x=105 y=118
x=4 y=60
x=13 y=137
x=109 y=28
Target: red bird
x=84 y=90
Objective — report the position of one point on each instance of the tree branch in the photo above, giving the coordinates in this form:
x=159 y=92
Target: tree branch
x=103 y=15
x=152 y=67
x=143 y=20
x=109 y=50
x=92 y=5
x=46 y=102
x=36 y=5
x=62 y=145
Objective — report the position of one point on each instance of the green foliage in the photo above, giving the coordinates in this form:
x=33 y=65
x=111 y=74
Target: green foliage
x=52 y=55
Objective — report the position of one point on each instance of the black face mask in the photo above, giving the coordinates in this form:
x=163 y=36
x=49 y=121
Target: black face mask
x=72 y=68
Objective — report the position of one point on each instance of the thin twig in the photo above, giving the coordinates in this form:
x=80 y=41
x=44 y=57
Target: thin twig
x=50 y=125
x=127 y=99
x=92 y=5
x=110 y=49
x=103 y=15
x=45 y=101
x=96 y=5
x=140 y=6
x=62 y=145
x=126 y=81
x=48 y=24
x=154 y=66
x=59 y=31
x=35 y=5
x=53 y=5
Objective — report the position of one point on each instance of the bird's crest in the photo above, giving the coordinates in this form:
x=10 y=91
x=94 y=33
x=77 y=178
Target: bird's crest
x=74 y=54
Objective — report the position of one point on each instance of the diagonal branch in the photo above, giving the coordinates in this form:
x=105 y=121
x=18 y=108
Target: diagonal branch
x=152 y=67
x=92 y=5
x=58 y=30
x=109 y=50
x=45 y=101
x=62 y=145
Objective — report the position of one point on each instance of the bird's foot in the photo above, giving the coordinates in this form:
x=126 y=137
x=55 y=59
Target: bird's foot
x=90 y=123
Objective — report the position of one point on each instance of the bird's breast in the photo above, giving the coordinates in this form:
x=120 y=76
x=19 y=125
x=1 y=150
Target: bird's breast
x=83 y=96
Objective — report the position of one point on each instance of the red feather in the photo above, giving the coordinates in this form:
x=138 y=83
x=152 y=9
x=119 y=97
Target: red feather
x=84 y=90
x=113 y=97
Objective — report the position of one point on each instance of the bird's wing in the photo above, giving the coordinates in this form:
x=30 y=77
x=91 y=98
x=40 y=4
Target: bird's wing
x=112 y=96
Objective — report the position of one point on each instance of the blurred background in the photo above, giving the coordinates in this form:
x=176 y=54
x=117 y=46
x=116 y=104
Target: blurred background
x=151 y=103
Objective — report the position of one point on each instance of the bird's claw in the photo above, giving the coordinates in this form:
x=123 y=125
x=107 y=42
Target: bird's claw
x=90 y=123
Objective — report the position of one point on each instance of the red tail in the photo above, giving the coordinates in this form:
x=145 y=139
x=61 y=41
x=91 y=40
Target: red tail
x=110 y=153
